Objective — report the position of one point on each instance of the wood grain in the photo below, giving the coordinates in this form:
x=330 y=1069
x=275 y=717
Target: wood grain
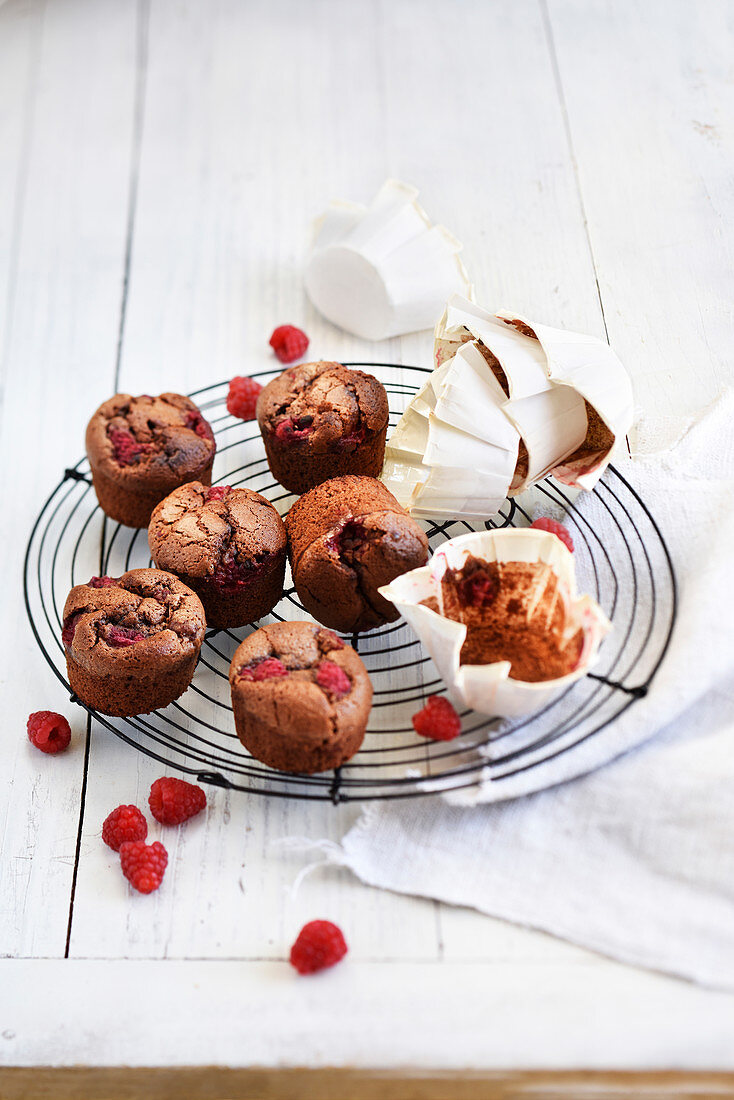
x=161 y=166
x=59 y=354
x=218 y=1083
x=652 y=121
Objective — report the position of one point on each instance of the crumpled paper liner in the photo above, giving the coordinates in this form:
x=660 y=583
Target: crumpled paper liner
x=488 y=688
x=564 y=397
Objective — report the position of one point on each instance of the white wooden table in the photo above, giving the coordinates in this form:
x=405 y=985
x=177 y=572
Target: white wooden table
x=160 y=163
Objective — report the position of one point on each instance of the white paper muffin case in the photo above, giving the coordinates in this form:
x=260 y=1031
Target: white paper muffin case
x=488 y=688
x=383 y=270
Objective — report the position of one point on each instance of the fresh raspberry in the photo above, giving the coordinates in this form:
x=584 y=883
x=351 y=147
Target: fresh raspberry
x=438 y=720
x=218 y=492
x=289 y=343
x=319 y=944
x=125 y=446
x=545 y=523
x=49 y=731
x=173 y=801
x=120 y=636
x=266 y=668
x=123 y=824
x=143 y=864
x=196 y=422
x=290 y=429
x=102 y=582
x=242 y=397
x=333 y=679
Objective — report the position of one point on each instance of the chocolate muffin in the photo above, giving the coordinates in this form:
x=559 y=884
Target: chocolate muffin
x=226 y=544
x=346 y=538
x=301 y=697
x=514 y=611
x=320 y=420
x=140 y=448
x=132 y=642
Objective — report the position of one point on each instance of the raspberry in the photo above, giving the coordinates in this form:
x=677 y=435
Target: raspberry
x=290 y=429
x=289 y=343
x=124 y=823
x=545 y=523
x=438 y=720
x=242 y=397
x=125 y=446
x=477 y=588
x=333 y=679
x=120 y=636
x=218 y=492
x=231 y=575
x=349 y=536
x=196 y=422
x=172 y=801
x=49 y=731
x=266 y=668
x=69 y=628
x=143 y=864
x=102 y=582
x=319 y=944
x=354 y=438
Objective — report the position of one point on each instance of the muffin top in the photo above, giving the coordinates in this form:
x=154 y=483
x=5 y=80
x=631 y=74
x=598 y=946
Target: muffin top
x=299 y=674
x=346 y=539
x=220 y=532
x=143 y=620
x=350 y=514
x=324 y=405
x=157 y=441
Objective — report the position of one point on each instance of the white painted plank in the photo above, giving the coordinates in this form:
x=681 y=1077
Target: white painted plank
x=220 y=234
x=463 y=1016
x=650 y=103
x=59 y=360
x=20 y=37
x=223 y=213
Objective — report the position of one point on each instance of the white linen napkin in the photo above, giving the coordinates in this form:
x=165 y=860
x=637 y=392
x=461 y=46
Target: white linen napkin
x=635 y=860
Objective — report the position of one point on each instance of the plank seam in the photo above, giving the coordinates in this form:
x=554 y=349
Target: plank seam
x=141 y=73
x=550 y=41
x=29 y=120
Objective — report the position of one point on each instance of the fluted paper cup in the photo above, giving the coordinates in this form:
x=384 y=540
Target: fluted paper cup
x=385 y=271
x=489 y=688
x=590 y=368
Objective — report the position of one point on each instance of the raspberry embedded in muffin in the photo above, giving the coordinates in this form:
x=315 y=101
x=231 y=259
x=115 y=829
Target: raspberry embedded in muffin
x=140 y=448
x=321 y=420
x=227 y=544
x=346 y=539
x=301 y=697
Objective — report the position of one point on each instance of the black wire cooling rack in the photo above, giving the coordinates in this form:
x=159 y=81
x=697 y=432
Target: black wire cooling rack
x=621 y=559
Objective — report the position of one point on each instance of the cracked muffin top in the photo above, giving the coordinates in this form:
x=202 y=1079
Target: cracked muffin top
x=143 y=620
x=154 y=441
x=347 y=537
x=221 y=533
x=324 y=404
x=298 y=672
